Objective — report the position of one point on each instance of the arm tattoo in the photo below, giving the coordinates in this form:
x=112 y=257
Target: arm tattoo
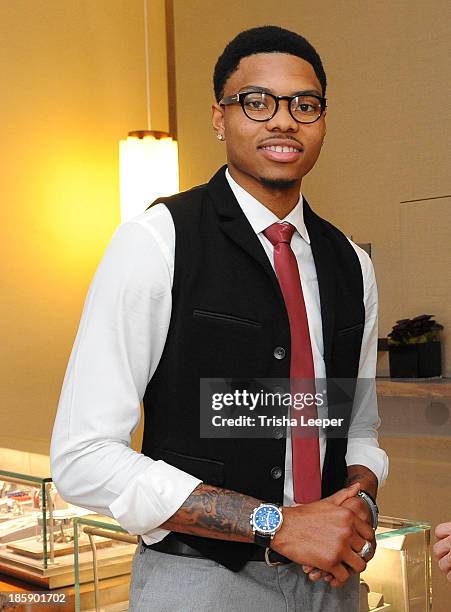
x=215 y=513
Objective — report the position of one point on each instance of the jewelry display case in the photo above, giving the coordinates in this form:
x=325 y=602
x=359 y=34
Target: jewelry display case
x=36 y=531
x=102 y=576
x=398 y=578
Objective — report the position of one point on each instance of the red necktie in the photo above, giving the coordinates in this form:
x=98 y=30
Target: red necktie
x=304 y=441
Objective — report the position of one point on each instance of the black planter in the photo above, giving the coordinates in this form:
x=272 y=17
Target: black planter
x=415 y=360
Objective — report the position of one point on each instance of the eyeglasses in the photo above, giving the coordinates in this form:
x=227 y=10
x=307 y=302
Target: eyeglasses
x=262 y=106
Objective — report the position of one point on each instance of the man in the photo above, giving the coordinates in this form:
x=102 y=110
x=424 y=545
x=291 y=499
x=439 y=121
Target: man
x=187 y=291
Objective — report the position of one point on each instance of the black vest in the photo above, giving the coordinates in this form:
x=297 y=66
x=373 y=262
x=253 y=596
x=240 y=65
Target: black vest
x=228 y=316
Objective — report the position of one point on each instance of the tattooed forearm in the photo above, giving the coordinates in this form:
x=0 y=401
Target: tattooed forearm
x=360 y=473
x=215 y=513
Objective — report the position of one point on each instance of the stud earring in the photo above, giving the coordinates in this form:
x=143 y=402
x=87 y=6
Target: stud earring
x=220 y=136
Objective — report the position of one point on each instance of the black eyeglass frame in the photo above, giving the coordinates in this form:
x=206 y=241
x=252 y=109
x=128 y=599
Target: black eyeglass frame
x=238 y=98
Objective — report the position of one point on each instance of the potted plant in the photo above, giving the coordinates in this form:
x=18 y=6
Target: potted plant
x=414 y=348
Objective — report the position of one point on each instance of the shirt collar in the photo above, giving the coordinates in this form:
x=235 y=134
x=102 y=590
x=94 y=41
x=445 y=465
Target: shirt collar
x=261 y=217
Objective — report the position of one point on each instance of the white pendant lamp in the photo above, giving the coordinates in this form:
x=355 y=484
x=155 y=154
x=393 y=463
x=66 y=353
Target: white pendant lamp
x=148 y=159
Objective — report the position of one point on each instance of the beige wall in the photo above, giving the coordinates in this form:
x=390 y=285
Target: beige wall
x=388 y=130
x=73 y=84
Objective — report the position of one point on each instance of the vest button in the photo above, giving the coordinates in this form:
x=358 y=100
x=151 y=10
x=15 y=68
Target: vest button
x=278 y=433
x=276 y=473
x=279 y=352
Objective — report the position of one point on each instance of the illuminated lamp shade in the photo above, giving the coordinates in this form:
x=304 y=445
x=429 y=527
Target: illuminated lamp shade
x=148 y=170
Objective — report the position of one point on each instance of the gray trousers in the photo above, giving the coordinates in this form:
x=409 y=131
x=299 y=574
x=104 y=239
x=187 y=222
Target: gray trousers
x=170 y=583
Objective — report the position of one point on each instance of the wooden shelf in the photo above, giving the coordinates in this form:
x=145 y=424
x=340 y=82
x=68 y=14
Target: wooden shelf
x=433 y=389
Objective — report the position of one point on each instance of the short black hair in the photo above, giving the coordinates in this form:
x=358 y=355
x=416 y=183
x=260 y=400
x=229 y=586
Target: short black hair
x=264 y=39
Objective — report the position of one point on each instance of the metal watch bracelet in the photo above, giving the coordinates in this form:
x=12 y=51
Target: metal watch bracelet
x=370 y=502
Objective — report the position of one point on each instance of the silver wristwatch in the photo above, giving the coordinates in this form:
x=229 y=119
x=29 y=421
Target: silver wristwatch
x=265 y=520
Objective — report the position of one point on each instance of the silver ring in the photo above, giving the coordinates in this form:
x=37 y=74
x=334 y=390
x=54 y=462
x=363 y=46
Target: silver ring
x=366 y=550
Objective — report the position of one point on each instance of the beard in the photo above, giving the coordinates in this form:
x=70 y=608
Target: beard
x=278 y=183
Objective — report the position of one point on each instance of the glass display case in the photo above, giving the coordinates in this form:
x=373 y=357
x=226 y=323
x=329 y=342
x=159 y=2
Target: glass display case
x=23 y=504
x=398 y=578
x=36 y=531
x=102 y=575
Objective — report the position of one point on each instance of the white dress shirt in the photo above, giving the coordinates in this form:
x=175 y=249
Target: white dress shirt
x=119 y=344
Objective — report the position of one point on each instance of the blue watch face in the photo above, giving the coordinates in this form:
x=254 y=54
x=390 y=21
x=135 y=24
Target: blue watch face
x=267 y=518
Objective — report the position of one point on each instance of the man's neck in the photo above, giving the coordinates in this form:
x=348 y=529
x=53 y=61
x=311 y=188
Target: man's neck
x=279 y=201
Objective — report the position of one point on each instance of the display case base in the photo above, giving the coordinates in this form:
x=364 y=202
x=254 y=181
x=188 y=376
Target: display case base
x=113 y=561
